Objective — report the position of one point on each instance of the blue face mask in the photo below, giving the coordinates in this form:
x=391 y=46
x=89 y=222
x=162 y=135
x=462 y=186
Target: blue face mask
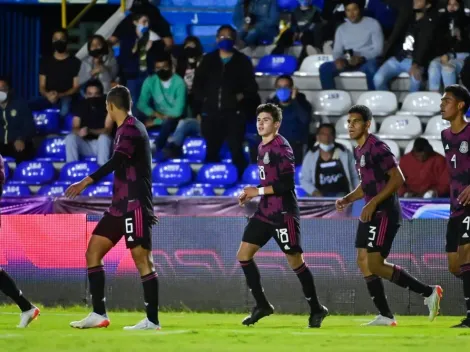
x=142 y=29
x=283 y=94
x=226 y=44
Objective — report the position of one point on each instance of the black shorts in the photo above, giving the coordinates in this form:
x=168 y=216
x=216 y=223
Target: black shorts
x=287 y=235
x=135 y=226
x=458 y=232
x=378 y=234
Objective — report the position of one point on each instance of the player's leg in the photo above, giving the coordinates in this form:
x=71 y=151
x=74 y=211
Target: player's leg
x=255 y=236
x=463 y=257
x=28 y=311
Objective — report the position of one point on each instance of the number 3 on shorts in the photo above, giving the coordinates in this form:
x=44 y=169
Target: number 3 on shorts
x=129 y=226
x=282 y=235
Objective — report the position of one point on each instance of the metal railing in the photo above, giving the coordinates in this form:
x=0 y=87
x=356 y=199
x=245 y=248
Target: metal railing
x=77 y=18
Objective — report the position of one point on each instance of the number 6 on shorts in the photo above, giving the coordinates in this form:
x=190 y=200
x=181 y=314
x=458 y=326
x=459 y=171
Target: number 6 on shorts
x=129 y=226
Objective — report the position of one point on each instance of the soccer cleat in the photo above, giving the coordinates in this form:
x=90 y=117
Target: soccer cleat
x=380 y=320
x=315 y=319
x=27 y=317
x=258 y=313
x=93 y=320
x=434 y=301
x=465 y=323
x=144 y=324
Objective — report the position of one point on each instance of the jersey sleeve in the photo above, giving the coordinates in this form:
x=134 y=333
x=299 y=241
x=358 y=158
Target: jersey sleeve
x=384 y=157
x=286 y=161
x=127 y=141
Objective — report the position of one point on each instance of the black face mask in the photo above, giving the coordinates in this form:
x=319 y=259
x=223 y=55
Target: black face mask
x=60 y=46
x=164 y=74
x=191 y=52
x=95 y=102
x=96 y=52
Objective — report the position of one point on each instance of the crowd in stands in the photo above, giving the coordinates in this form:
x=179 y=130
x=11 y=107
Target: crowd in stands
x=180 y=91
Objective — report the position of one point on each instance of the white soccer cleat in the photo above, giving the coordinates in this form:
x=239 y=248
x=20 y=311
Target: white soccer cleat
x=144 y=324
x=434 y=302
x=380 y=320
x=27 y=317
x=93 y=320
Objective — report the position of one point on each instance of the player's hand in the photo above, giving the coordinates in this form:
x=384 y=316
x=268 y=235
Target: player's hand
x=464 y=197
x=251 y=192
x=341 y=204
x=368 y=211
x=242 y=199
x=75 y=189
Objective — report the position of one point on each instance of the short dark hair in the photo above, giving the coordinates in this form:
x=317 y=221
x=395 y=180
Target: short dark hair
x=94 y=83
x=286 y=77
x=327 y=125
x=422 y=145
x=272 y=109
x=103 y=41
x=163 y=56
x=120 y=97
x=63 y=31
x=230 y=28
x=460 y=93
x=362 y=110
x=138 y=16
x=7 y=80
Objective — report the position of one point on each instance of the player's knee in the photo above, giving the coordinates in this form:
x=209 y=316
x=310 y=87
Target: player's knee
x=243 y=256
x=142 y=260
x=295 y=260
x=92 y=257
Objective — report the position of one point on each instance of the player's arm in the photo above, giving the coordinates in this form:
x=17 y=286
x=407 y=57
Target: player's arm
x=357 y=194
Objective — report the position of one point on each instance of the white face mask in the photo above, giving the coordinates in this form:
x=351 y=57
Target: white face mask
x=326 y=147
x=3 y=97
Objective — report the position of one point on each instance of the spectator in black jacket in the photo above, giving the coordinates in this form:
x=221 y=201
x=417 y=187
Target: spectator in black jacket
x=452 y=46
x=225 y=94
x=409 y=48
x=17 y=127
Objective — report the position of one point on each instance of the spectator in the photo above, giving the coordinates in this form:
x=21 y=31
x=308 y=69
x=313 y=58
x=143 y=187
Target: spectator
x=58 y=77
x=90 y=135
x=304 y=21
x=383 y=13
x=409 y=46
x=358 y=43
x=167 y=91
x=100 y=63
x=333 y=14
x=329 y=169
x=425 y=172
x=17 y=125
x=186 y=66
x=257 y=21
x=453 y=45
x=296 y=115
x=225 y=94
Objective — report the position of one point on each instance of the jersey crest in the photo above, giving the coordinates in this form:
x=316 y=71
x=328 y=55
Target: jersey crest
x=463 y=147
x=266 y=158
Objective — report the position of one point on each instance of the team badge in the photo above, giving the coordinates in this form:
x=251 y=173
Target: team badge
x=463 y=147
x=13 y=113
x=266 y=158
x=363 y=161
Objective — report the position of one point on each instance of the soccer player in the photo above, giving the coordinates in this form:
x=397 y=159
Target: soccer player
x=130 y=215
x=454 y=104
x=380 y=218
x=28 y=311
x=277 y=217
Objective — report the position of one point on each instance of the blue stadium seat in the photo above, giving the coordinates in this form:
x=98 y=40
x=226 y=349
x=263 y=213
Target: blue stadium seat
x=235 y=191
x=226 y=155
x=99 y=190
x=8 y=159
x=75 y=171
x=159 y=190
x=33 y=173
x=287 y=5
x=298 y=172
x=251 y=175
x=67 y=128
x=194 y=149
x=177 y=17
x=300 y=192
x=172 y=174
x=90 y=158
x=52 y=149
x=219 y=175
x=206 y=34
x=7 y=171
x=276 y=65
x=153 y=134
x=196 y=190
x=16 y=191
x=52 y=190
x=47 y=121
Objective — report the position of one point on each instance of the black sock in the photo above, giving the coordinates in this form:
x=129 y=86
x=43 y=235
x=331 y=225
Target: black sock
x=465 y=274
x=253 y=279
x=96 y=280
x=150 y=284
x=401 y=278
x=8 y=287
x=376 y=289
x=308 y=286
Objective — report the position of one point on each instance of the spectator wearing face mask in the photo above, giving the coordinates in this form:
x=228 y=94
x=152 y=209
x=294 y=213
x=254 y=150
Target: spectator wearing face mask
x=328 y=170
x=163 y=100
x=58 y=77
x=17 y=127
x=296 y=115
x=99 y=64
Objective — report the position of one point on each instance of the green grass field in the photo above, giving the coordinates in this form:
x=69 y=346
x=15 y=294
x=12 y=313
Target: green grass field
x=223 y=332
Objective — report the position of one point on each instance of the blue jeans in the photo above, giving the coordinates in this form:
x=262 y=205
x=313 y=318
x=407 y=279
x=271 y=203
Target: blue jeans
x=328 y=72
x=166 y=129
x=42 y=103
x=188 y=127
x=391 y=69
x=448 y=73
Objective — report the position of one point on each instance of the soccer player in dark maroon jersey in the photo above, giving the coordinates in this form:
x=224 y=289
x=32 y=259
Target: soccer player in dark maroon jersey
x=28 y=311
x=277 y=217
x=130 y=216
x=380 y=219
x=455 y=139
